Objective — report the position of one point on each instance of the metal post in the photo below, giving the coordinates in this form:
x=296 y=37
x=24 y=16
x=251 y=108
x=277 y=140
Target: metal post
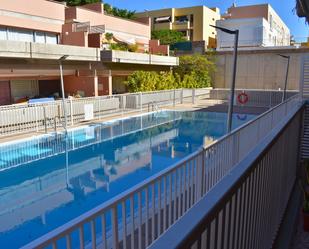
x=286 y=79
x=63 y=96
x=141 y=101
x=45 y=119
x=174 y=101
x=230 y=110
x=286 y=75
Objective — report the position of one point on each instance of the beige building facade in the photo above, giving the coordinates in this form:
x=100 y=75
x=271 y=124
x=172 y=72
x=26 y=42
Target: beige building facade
x=193 y=22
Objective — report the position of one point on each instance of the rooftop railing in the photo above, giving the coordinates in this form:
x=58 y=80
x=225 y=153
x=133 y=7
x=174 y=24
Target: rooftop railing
x=138 y=216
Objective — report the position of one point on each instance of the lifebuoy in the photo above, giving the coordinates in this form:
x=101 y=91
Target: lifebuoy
x=242 y=117
x=242 y=98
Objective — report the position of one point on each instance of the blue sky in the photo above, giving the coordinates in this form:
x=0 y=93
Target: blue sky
x=283 y=7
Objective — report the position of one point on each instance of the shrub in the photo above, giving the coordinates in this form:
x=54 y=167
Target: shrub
x=133 y=47
x=109 y=36
x=167 y=36
x=194 y=71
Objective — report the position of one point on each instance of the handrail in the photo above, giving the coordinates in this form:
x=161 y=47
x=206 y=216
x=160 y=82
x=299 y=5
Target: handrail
x=58 y=232
x=189 y=228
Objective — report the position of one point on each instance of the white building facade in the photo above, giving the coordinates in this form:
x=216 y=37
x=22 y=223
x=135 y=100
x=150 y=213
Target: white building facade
x=264 y=29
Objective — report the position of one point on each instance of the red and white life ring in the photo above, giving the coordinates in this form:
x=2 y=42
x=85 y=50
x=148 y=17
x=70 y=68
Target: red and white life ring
x=242 y=117
x=243 y=98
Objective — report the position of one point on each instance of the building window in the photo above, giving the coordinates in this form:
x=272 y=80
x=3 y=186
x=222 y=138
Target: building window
x=40 y=37
x=181 y=19
x=12 y=34
x=20 y=35
x=271 y=21
x=3 y=34
x=51 y=39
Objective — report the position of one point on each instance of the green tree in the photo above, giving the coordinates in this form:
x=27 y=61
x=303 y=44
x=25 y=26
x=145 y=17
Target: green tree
x=123 y=13
x=167 y=37
x=194 y=71
x=78 y=2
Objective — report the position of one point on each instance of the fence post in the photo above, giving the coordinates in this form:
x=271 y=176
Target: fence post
x=71 y=112
x=141 y=101
x=181 y=96
x=36 y=118
x=45 y=119
x=174 y=101
x=193 y=95
x=122 y=103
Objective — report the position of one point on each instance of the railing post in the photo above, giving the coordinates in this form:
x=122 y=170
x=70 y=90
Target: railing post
x=122 y=103
x=181 y=96
x=141 y=101
x=71 y=112
x=45 y=120
x=193 y=95
x=36 y=118
x=115 y=228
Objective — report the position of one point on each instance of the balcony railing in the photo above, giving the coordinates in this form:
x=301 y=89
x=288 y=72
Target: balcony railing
x=86 y=27
x=245 y=209
x=138 y=216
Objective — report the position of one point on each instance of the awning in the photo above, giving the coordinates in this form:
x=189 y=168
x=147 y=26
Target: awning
x=142 y=41
x=124 y=39
x=163 y=19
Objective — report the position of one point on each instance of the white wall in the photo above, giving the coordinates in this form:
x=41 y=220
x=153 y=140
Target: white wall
x=253 y=32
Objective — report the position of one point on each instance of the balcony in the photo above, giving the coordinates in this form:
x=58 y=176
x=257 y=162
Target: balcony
x=114 y=56
x=30 y=50
x=165 y=25
x=181 y=25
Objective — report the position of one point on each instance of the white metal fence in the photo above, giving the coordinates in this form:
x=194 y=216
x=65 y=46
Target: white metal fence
x=15 y=154
x=135 y=218
x=17 y=119
x=256 y=97
x=246 y=208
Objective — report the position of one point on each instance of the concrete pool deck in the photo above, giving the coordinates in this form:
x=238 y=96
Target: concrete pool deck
x=200 y=105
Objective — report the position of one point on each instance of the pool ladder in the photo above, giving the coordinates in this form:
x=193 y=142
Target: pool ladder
x=154 y=106
x=50 y=121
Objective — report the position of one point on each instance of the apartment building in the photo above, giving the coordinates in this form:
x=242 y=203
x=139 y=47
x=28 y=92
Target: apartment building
x=34 y=36
x=258 y=25
x=193 y=22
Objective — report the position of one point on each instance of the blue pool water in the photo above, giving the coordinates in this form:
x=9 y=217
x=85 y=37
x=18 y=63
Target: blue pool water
x=49 y=180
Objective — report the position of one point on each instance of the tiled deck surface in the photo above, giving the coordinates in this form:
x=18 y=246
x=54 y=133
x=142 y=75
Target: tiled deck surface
x=301 y=238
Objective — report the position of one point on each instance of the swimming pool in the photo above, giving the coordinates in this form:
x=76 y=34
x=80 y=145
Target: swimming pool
x=49 y=180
